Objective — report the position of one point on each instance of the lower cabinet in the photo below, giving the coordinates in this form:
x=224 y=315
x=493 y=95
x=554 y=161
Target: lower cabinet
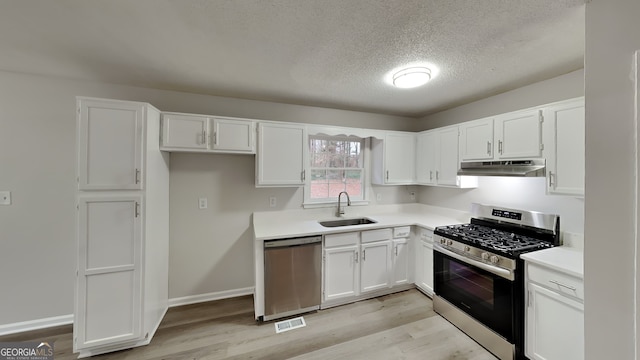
x=360 y=263
x=424 y=261
x=555 y=315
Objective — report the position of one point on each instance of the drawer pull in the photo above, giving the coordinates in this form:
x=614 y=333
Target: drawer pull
x=563 y=285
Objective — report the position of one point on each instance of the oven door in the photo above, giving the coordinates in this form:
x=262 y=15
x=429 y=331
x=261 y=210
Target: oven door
x=483 y=295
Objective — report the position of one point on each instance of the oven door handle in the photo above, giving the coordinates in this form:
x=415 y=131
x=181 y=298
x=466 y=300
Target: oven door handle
x=504 y=273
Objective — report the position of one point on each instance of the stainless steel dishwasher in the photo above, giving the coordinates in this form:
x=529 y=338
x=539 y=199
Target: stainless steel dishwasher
x=292 y=275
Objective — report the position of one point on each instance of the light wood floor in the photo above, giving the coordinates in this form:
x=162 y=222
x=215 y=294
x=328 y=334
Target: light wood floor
x=397 y=326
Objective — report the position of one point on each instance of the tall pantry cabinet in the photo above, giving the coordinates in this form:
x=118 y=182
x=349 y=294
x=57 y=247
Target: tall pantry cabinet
x=122 y=226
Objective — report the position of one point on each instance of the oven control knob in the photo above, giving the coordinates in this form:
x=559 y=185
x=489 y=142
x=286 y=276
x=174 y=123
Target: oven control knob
x=494 y=259
x=485 y=256
x=449 y=242
x=443 y=241
x=466 y=248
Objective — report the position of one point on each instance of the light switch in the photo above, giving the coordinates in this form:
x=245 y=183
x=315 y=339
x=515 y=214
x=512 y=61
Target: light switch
x=202 y=203
x=5 y=197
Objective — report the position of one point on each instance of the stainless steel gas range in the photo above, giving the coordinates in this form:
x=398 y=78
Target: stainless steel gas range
x=478 y=273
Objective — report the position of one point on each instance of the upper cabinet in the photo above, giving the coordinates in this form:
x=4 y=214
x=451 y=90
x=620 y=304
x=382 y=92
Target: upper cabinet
x=201 y=133
x=519 y=135
x=110 y=139
x=280 y=156
x=437 y=159
x=564 y=147
x=476 y=140
x=394 y=159
x=515 y=135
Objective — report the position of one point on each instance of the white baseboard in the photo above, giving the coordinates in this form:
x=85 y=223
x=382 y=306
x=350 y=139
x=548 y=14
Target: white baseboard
x=219 y=295
x=68 y=319
x=36 y=324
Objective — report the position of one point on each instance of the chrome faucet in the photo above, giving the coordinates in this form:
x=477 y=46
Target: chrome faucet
x=340 y=211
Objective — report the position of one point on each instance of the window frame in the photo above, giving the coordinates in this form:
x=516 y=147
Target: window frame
x=308 y=202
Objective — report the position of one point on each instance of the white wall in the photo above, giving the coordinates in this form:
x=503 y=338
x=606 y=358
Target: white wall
x=210 y=249
x=518 y=193
x=563 y=87
x=611 y=273
x=515 y=193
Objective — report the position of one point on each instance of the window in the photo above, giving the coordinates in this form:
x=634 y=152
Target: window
x=336 y=164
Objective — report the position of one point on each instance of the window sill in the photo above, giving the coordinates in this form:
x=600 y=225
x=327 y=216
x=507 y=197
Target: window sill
x=315 y=205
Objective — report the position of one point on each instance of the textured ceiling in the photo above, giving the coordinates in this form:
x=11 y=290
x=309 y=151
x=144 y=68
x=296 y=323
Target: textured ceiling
x=332 y=53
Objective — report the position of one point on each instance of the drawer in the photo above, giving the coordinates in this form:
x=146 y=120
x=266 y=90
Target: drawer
x=401 y=232
x=376 y=235
x=557 y=281
x=345 y=239
x=425 y=235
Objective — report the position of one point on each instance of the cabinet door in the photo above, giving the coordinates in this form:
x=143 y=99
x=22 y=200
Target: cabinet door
x=340 y=272
x=447 y=173
x=400 y=261
x=375 y=266
x=399 y=158
x=426 y=267
x=108 y=305
x=564 y=138
x=110 y=145
x=425 y=158
x=233 y=135
x=555 y=326
x=476 y=140
x=280 y=157
x=187 y=132
x=519 y=135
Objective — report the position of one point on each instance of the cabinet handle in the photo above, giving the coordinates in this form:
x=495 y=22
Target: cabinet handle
x=551 y=178
x=488 y=147
x=215 y=138
x=430 y=175
x=356 y=256
x=364 y=254
x=500 y=146
x=137 y=176
x=396 y=250
x=387 y=174
x=563 y=285
x=204 y=137
x=303 y=175
x=137 y=210
x=437 y=174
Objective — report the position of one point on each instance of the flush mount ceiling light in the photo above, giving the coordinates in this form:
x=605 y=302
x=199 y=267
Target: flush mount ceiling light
x=411 y=77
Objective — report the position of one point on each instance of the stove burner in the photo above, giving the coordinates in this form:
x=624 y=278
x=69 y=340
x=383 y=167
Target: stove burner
x=492 y=239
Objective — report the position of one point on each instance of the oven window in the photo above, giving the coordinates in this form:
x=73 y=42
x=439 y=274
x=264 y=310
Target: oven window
x=469 y=281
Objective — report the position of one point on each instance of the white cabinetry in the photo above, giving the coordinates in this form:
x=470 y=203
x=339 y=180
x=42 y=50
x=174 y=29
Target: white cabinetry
x=564 y=147
x=375 y=268
x=555 y=315
x=515 y=135
x=280 y=156
x=400 y=256
x=341 y=267
x=122 y=230
x=437 y=159
x=394 y=159
x=202 y=133
x=519 y=135
x=424 y=261
x=476 y=140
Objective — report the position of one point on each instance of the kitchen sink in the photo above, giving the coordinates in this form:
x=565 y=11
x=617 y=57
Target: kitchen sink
x=347 y=222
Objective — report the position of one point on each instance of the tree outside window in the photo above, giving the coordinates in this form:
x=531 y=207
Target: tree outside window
x=337 y=165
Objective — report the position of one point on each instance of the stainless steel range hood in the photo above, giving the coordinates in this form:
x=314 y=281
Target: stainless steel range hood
x=521 y=168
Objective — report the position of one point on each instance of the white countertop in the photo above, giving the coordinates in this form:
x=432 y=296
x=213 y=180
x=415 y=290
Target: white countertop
x=566 y=259
x=269 y=225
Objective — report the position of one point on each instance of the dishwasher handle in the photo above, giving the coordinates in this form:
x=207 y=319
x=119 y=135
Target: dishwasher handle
x=292 y=242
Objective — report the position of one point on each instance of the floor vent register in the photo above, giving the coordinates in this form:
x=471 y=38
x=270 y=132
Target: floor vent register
x=290 y=324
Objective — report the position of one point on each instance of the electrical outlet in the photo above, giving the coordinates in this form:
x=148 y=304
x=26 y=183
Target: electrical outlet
x=272 y=201
x=202 y=203
x=378 y=197
x=412 y=195
x=5 y=197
